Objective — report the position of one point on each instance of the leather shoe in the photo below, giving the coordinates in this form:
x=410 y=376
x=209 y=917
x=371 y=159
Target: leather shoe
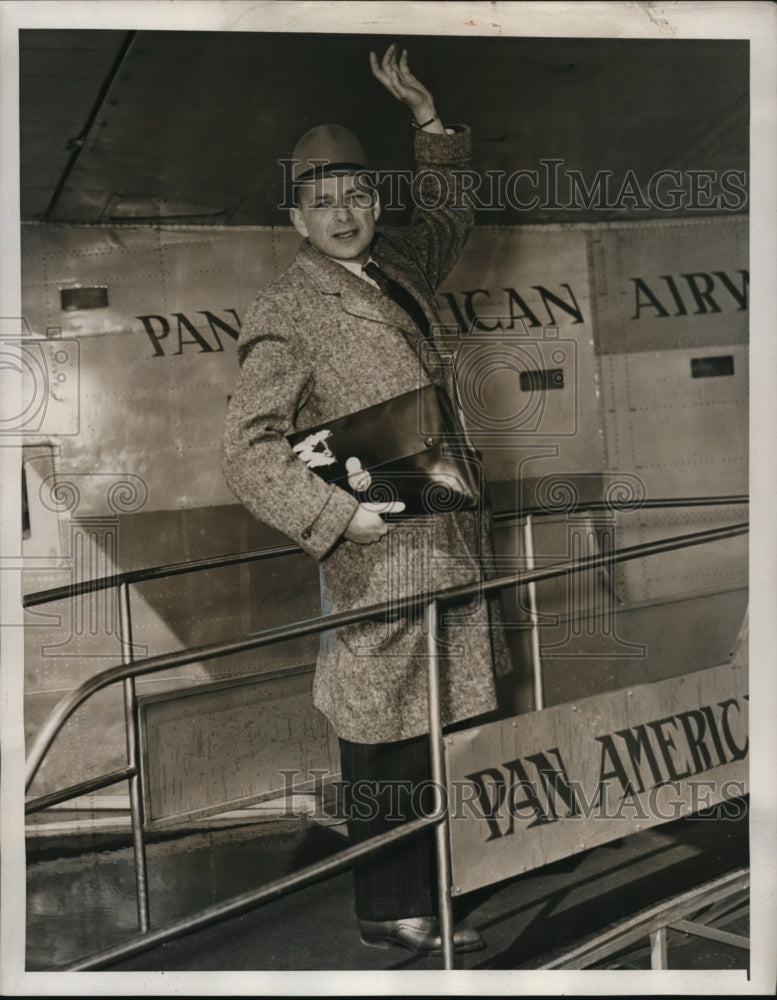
x=418 y=934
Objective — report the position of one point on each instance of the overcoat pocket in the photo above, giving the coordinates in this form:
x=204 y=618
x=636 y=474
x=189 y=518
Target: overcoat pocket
x=385 y=636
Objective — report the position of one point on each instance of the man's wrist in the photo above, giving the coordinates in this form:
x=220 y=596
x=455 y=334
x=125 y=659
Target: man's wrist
x=418 y=123
x=426 y=119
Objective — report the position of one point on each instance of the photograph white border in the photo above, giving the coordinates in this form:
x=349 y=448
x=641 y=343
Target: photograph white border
x=756 y=21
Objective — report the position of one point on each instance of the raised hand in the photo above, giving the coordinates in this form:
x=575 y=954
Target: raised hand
x=396 y=77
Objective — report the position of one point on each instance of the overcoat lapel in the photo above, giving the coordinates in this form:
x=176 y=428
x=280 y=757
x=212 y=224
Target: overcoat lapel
x=360 y=298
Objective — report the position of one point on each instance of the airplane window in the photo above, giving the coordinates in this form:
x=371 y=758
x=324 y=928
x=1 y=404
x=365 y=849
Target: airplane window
x=545 y=378
x=712 y=367
x=83 y=298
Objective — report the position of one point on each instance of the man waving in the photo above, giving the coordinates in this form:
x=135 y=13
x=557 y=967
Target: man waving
x=348 y=325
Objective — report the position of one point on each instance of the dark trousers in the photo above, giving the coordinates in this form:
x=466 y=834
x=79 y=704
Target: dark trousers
x=385 y=785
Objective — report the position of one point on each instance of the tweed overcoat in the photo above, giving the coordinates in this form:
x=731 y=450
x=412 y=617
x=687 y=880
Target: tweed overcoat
x=317 y=344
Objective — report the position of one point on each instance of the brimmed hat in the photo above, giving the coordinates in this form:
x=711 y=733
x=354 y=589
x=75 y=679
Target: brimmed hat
x=321 y=152
x=324 y=150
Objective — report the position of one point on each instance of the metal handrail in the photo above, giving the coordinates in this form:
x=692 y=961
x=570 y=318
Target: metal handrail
x=148 y=938
x=69 y=702
x=154 y=573
x=230 y=908
x=623 y=506
x=129 y=670
x=82 y=788
x=217 y=562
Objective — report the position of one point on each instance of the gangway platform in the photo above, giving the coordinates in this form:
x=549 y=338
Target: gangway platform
x=535 y=920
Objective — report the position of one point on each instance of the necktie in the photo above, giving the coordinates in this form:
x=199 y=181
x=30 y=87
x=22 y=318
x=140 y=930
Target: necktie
x=407 y=302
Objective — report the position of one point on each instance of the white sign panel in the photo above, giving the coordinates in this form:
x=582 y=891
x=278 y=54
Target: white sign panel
x=526 y=791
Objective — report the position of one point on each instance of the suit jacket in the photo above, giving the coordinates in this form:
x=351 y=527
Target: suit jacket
x=315 y=345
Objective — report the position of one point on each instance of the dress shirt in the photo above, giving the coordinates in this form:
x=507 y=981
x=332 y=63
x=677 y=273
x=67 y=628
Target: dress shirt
x=355 y=268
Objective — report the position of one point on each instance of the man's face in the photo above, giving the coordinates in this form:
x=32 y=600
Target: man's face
x=338 y=216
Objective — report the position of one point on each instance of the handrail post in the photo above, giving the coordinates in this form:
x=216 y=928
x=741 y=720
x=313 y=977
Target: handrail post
x=531 y=587
x=133 y=757
x=440 y=791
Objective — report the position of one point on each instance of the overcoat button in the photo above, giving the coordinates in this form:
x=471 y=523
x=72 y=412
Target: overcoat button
x=429 y=442
x=306 y=533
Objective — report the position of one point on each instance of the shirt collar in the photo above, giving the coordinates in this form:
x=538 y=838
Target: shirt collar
x=355 y=268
